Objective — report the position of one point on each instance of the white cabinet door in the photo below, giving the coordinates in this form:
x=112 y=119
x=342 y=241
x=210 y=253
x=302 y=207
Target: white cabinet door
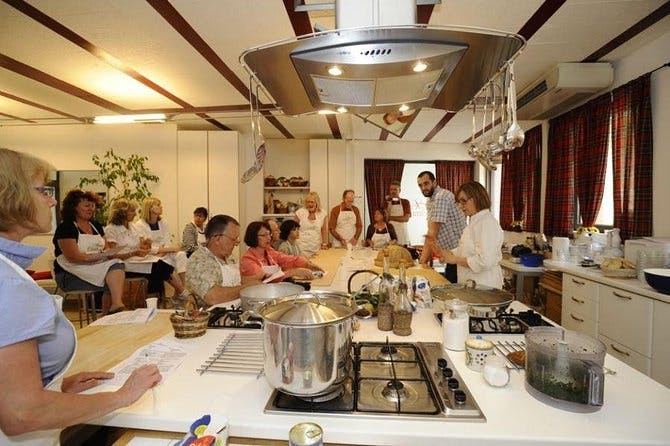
x=625 y=317
x=627 y=355
x=579 y=310
x=660 y=349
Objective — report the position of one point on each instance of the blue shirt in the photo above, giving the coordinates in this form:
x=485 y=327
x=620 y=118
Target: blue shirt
x=28 y=312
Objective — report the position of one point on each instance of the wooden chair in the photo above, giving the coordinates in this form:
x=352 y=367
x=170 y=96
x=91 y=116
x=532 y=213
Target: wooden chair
x=83 y=297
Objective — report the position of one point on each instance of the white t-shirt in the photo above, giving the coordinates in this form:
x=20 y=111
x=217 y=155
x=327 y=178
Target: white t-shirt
x=481 y=244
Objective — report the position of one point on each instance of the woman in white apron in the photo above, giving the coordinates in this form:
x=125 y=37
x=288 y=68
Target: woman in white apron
x=136 y=250
x=345 y=221
x=379 y=233
x=479 y=252
x=36 y=338
x=313 y=226
x=152 y=227
x=81 y=260
x=193 y=235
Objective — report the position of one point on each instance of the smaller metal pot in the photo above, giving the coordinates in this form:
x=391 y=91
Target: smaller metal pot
x=253 y=297
x=483 y=301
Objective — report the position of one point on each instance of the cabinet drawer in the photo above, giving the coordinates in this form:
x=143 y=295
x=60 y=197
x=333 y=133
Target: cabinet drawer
x=576 y=321
x=580 y=304
x=580 y=287
x=625 y=354
x=625 y=317
x=660 y=347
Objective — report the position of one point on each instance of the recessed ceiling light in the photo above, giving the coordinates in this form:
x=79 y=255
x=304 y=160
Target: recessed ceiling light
x=342 y=109
x=403 y=108
x=325 y=111
x=334 y=70
x=127 y=119
x=419 y=66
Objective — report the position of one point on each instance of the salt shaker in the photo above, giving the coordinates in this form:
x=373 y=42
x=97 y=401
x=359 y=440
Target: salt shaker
x=455 y=325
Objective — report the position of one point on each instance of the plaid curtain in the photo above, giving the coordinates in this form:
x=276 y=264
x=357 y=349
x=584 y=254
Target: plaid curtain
x=451 y=174
x=632 y=153
x=378 y=175
x=591 y=161
x=566 y=136
x=521 y=182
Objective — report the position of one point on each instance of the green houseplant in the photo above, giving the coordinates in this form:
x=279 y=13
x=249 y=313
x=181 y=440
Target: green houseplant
x=126 y=177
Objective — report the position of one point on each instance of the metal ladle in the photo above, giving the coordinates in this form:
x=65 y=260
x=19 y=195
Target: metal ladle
x=515 y=135
x=472 y=148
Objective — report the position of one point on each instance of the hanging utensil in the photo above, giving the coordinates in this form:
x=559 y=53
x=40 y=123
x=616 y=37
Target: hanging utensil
x=493 y=143
x=472 y=148
x=515 y=134
x=257 y=140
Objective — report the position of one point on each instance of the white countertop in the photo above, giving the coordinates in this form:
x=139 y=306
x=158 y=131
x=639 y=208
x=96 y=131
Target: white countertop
x=633 y=285
x=635 y=412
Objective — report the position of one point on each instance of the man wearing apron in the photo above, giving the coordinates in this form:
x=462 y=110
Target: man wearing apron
x=345 y=222
x=398 y=212
x=212 y=275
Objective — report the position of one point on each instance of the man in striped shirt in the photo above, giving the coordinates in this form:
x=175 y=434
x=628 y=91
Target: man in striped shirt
x=445 y=220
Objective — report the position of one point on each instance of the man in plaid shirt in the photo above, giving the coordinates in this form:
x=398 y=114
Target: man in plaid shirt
x=445 y=220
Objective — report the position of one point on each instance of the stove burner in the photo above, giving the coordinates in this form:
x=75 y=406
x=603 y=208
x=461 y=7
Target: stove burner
x=395 y=391
x=386 y=352
x=233 y=317
x=506 y=323
x=338 y=392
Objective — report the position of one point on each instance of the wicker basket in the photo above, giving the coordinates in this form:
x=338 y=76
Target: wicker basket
x=620 y=273
x=189 y=323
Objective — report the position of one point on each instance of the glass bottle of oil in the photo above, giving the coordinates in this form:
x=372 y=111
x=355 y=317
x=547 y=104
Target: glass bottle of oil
x=386 y=297
x=402 y=308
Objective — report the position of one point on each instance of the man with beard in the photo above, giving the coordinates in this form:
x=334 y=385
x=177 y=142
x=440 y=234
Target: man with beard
x=445 y=221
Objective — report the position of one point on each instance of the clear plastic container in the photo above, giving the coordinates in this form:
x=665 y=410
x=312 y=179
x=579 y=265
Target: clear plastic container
x=455 y=325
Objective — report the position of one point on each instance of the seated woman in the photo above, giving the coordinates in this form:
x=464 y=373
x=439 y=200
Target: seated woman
x=289 y=232
x=152 y=227
x=81 y=263
x=136 y=252
x=479 y=252
x=261 y=262
x=194 y=232
x=380 y=233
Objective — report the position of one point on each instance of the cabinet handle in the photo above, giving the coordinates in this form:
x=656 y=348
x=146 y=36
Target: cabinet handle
x=619 y=350
x=578 y=282
x=579 y=301
x=576 y=318
x=623 y=296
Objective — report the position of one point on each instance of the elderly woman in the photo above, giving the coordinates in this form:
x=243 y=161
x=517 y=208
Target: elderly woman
x=37 y=342
x=263 y=263
x=81 y=262
x=136 y=251
x=194 y=232
x=289 y=234
x=380 y=233
x=313 y=226
x=479 y=250
x=152 y=227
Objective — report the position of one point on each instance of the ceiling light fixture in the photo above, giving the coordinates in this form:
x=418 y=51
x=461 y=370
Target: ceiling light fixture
x=334 y=70
x=403 y=108
x=419 y=66
x=342 y=109
x=129 y=119
x=325 y=111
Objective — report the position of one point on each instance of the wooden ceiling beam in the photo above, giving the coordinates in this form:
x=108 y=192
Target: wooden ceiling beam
x=18 y=118
x=40 y=106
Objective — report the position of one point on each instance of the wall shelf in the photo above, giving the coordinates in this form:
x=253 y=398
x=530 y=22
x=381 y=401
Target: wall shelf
x=286 y=188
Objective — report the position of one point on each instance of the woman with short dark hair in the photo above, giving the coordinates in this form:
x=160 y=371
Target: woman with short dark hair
x=289 y=233
x=194 y=232
x=261 y=262
x=81 y=262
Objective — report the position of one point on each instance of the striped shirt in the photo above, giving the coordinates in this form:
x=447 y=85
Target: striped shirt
x=441 y=208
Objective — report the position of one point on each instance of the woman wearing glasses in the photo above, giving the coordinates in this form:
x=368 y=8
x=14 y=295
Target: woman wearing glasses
x=81 y=260
x=37 y=342
x=261 y=262
x=479 y=250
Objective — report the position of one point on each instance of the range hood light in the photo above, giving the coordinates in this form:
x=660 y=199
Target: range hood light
x=403 y=108
x=334 y=70
x=129 y=119
x=419 y=66
x=342 y=109
x=325 y=111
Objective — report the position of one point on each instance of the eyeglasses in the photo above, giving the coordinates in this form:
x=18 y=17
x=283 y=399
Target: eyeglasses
x=463 y=200
x=264 y=234
x=47 y=191
x=234 y=239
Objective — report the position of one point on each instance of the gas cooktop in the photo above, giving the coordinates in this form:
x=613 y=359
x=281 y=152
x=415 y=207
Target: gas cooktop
x=233 y=317
x=506 y=323
x=392 y=380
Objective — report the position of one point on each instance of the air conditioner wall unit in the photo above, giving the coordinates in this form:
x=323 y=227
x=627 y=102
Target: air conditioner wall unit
x=563 y=87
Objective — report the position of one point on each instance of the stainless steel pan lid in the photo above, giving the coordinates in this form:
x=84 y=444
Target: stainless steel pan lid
x=309 y=308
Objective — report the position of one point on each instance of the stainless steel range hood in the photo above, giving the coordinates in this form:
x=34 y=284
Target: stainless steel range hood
x=375 y=69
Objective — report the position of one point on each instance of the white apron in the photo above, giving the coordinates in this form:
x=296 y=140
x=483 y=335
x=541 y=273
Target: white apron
x=380 y=240
x=201 y=239
x=90 y=272
x=175 y=259
x=309 y=241
x=346 y=226
x=396 y=210
x=49 y=437
x=230 y=274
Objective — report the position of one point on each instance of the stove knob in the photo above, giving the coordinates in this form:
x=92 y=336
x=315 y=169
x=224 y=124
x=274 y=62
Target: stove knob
x=459 y=396
x=447 y=373
x=453 y=383
x=441 y=363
